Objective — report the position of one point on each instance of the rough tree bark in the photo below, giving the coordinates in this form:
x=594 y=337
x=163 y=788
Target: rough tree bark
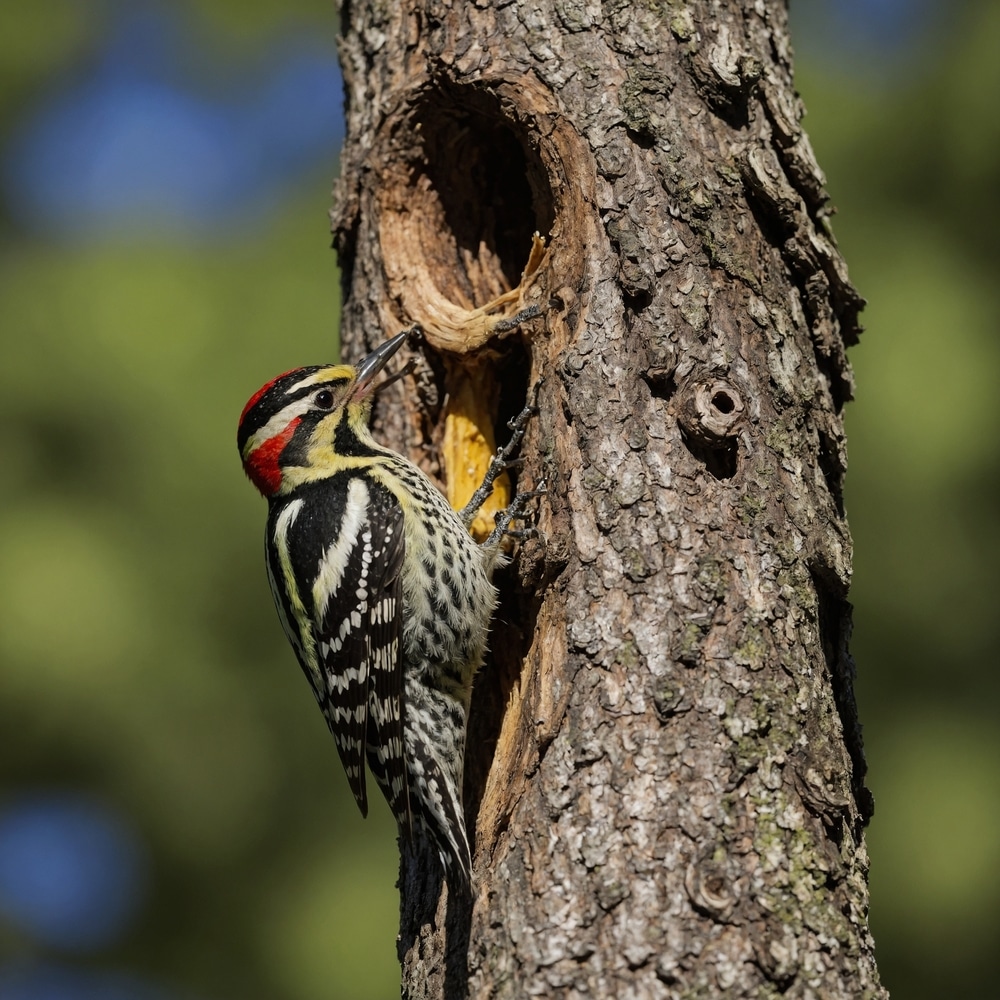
x=665 y=773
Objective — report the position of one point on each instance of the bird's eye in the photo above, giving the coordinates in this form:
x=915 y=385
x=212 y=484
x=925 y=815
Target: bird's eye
x=324 y=399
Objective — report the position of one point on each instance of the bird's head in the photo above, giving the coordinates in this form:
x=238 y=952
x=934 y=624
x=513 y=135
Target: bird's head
x=299 y=424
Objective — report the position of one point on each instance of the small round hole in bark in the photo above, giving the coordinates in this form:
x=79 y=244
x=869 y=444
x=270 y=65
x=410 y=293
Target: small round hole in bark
x=723 y=402
x=709 y=413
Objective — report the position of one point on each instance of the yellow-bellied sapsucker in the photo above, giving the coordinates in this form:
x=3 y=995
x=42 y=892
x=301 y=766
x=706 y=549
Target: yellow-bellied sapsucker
x=384 y=595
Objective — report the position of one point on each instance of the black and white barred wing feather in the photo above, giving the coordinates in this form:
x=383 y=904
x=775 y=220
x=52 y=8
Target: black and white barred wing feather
x=358 y=605
x=386 y=754
x=305 y=580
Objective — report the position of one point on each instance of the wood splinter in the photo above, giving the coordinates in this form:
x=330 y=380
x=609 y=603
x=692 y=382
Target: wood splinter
x=473 y=393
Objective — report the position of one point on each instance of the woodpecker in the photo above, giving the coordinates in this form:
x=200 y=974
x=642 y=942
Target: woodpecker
x=383 y=593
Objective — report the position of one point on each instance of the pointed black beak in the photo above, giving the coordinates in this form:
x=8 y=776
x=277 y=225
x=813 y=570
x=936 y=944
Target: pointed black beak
x=374 y=363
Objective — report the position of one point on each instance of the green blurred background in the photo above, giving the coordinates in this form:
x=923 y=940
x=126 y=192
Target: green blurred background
x=173 y=817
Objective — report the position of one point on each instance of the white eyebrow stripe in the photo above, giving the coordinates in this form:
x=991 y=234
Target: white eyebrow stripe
x=315 y=379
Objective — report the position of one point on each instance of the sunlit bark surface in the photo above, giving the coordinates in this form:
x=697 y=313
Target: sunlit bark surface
x=664 y=771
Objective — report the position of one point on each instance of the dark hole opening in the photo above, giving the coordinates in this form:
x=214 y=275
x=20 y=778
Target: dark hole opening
x=723 y=402
x=493 y=191
x=720 y=461
x=660 y=382
x=512 y=370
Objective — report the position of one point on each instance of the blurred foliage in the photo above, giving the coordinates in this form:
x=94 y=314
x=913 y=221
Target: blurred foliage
x=911 y=149
x=141 y=658
x=44 y=41
x=141 y=655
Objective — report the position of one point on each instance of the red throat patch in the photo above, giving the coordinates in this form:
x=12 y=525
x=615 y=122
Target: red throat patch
x=261 y=464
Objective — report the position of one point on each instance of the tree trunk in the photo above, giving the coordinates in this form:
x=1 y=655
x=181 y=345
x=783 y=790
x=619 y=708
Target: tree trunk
x=664 y=771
